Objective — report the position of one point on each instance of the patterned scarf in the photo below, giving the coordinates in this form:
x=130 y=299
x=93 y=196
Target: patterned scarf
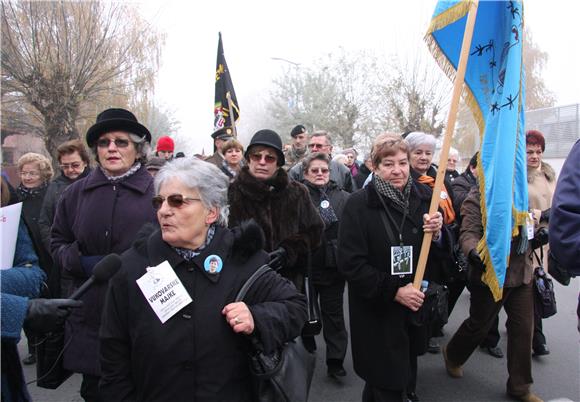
x=445 y=204
x=325 y=209
x=130 y=172
x=25 y=193
x=188 y=254
x=400 y=198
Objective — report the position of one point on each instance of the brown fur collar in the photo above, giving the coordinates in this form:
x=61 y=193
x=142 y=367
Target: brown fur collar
x=257 y=189
x=547 y=170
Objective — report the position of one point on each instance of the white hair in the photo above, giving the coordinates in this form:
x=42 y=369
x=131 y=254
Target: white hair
x=418 y=138
x=206 y=178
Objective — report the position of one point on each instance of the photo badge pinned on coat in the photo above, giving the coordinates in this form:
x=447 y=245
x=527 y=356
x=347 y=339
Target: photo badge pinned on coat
x=401 y=260
x=213 y=264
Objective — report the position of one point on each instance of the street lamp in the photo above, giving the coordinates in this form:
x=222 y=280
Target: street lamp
x=286 y=61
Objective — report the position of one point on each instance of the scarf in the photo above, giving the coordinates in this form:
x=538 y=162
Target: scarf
x=445 y=203
x=325 y=209
x=188 y=254
x=385 y=188
x=25 y=193
x=130 y=172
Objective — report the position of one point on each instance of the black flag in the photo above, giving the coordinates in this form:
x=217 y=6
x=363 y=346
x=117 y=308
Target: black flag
x=223 y=87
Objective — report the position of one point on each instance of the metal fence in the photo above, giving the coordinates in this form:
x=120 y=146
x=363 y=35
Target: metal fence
x=560 y=126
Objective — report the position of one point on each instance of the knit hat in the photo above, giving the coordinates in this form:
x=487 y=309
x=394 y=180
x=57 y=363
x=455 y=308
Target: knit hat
x=268 y=138
x=299 y=129
x=165 y=144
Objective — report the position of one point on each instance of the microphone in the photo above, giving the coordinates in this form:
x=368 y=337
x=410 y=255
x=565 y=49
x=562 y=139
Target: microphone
x=102 y=272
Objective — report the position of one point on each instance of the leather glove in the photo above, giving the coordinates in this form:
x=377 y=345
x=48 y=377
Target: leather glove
x=46 y=315
x=475 y=260
x=541 y=237
x=278 y=259
x=545 y=215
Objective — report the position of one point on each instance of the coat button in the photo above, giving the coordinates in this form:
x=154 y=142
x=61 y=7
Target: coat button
x=188 y=365
x=190 y=269
x=415 y=231
x=186 y=316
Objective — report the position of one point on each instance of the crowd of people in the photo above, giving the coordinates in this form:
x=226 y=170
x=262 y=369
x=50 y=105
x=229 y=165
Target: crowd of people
x=190 y=232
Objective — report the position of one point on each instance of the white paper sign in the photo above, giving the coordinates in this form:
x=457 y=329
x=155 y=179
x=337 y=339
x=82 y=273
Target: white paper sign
x=9 y=220
x=164 y=291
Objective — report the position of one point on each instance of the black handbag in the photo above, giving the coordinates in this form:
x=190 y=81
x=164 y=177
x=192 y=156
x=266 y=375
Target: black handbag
x=544 y=291
x=50 y=372
x=285 y=375
x=435 y=310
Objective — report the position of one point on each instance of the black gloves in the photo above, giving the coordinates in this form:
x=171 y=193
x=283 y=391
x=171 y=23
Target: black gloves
x=540 y=238
x=46 y=315
x=278 y=259
x=545 y=215
x=475 y=260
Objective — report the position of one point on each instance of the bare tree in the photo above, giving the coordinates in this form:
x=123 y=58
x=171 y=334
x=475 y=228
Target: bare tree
x=537 y=94
x=63 y=58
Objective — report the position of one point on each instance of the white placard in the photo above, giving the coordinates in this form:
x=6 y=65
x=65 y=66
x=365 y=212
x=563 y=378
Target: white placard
x=164 y=291
x=9 y=220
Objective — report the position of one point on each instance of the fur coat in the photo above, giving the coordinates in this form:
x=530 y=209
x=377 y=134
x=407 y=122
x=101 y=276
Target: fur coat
x=282 y=208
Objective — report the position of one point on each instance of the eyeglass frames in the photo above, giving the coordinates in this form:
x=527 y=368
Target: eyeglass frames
x=119 y=143
x=174 y=200
x=258 y=158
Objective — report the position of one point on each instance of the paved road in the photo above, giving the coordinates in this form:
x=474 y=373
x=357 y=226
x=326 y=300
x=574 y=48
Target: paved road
x=557 y=376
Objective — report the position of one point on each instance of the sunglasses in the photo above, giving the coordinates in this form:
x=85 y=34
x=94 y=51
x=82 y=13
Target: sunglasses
x=119 y=143
x=319 y=170
x=267 y=158
x=74 y=165
x=174 y=201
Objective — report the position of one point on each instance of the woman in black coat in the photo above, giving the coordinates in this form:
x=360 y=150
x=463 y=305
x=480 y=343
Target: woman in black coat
x=198 y=351
x=381 y=294
x=329 y=200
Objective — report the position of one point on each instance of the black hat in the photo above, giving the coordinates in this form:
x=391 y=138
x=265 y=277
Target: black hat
x=299 y=129
x=270 y=139
x=116 y=120
x=224 y=133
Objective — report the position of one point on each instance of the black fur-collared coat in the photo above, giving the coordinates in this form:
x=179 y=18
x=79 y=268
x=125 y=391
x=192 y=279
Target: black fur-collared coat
x=282 y=208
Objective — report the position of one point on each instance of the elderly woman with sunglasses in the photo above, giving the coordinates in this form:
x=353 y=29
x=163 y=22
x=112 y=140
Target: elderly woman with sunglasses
x=197 y=348
x=98 y=215
x=329 y=201
x=379 y=242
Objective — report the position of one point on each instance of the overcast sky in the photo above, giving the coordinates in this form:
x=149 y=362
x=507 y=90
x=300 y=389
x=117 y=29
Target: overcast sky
x=300 y=31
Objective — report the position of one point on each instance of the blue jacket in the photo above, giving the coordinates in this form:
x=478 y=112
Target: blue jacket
x=565 y=214
x=18 y=284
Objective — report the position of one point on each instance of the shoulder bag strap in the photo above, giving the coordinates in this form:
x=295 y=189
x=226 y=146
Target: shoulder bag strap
x=248 y=284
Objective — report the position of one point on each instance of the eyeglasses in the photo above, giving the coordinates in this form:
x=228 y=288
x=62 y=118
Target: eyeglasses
x=268 y=158
x=316 y=146
x=319 y=170
x=29 y=174
x=74 y=165
x=174 y=201
x=119 y=143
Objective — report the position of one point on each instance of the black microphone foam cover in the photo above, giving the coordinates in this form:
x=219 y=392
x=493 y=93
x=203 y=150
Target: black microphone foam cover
x=106 y=268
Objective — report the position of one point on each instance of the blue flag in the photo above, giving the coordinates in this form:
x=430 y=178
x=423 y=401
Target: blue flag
x=494 y=91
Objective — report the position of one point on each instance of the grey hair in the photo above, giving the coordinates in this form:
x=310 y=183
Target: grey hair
x=317 y=156
x=417 y=138
x=322 y=133
x=142 y=147
x=453 y=152
x=206 y=178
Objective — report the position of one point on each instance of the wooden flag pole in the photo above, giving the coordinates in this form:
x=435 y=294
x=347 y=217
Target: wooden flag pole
x=441 y=171
x=232 y=117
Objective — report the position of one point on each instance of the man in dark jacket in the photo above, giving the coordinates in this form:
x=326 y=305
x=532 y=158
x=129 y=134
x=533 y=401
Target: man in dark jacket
x=220 y=137
x=74 y=161
x=363 y=172
x=320 y=141
x=463 y=184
